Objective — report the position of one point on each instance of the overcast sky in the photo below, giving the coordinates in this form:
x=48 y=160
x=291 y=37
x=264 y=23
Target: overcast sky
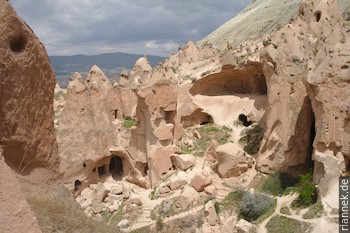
x=156 y=27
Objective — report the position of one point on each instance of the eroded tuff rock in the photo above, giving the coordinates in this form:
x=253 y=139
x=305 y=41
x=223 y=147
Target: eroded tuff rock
x=311 y=81
x=15 y=214
x=307 y=73
x=27 y=83
x=89 y=133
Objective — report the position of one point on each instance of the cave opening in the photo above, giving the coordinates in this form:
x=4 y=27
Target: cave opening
x=18 y=43
x=317 y=16
x=312 y=134
x=101 y=170
x=244 y=120
x=300 y=156
x=77 y=184
x=169 y=117
x=116 y=166
x=249 y=80
x=115 y=114
x=198 y=117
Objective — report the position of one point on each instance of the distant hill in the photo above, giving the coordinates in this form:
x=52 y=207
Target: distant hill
x=110 y=63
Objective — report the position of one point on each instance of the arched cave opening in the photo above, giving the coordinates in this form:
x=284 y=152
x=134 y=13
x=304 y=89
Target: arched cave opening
x=77 y=184
x=232 y=81
x=317 y=16
x=244 y=120
x=116 y=166
x=312 y=134
x=302 y=148
x=101 y=170
x=198 y=117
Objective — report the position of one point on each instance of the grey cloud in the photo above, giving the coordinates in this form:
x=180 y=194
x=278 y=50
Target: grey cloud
x=137 y=26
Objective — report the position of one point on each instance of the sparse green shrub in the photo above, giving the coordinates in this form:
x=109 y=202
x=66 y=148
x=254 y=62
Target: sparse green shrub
x=217 y=207
x=63 y=214
x=279 y=224
x=128 y=118
x=306 y=190
x=208 y=198
x=208 y=132
x=278 y=184
x=159 y=224
x=231 y=201
x=129 y=122
x=142 y=230
x=254 y=205
x=153 y=195
x=285 y=210
x=251 y=139
x=314 y=211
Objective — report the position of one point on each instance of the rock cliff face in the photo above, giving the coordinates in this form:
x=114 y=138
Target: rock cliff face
x=307 y=73
x=89 y=132
x=26 y=88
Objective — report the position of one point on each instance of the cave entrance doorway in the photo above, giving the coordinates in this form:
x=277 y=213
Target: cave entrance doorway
x=244 y=120
x=312 y=133
x=116 y=166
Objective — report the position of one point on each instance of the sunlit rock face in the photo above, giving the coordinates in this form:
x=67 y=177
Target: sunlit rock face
x=27 y=83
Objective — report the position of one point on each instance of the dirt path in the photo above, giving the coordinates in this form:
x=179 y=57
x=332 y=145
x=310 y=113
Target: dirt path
x=285 y=201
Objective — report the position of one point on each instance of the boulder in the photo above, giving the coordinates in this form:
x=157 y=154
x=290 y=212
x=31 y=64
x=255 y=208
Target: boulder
x=101 y=192
x=126 y=190
x=210 y=214
x=183 y=161
x=97 y=207
x=117 y=189
x=123 y=223
x=177 y=184
x=88 y=193
x=210 y=153
x=232 y=161
x=164 y=189
x=243 y=226
x=199 y=182
x=190 y=194
x=210 y=189
x=135 y=199
x=228 y=224
x=164 y=132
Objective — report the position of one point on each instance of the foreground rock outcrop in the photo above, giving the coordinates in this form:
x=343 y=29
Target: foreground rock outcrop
x=27 y=83
x=15 y=214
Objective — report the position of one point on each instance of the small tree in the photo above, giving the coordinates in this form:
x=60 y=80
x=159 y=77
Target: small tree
x=306 y=190
x=254 y=205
